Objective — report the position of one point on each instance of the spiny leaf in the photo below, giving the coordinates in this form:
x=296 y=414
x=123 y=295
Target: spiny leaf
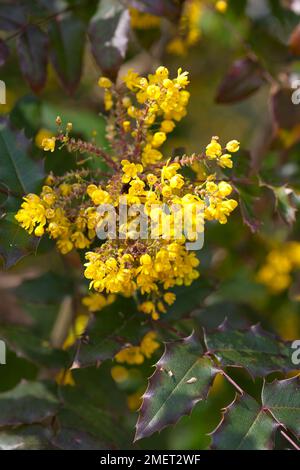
x=242 y=80
x=244 y=426
x=285 y=203
x=32 y=47
x=67 y=37
x=113 y=329
x=108 y=33
x=182 y=378
x=73 y=439
x=27 y=403
x=282 y=398
x=256 y=350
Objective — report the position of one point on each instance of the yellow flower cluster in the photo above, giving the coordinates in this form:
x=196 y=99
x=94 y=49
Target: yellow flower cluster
x=142 y=114
x=276 y=273
x=135 y=355
x=53 y=212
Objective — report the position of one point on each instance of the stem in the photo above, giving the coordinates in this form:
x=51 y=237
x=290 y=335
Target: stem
x=236 y=386
x=289 y=440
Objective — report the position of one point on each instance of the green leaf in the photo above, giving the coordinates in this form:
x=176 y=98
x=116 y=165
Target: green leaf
x=4 y=52
x=18 y=172
x=108 y=32
x=182 y=378
x=282 y=398
x=114 y=328
x=27 y=403
x=67 y=39
x=74 y=439
x=32 y=47
x=12 y=17
x=285 y=199
x=244 y=426
x=254 y=349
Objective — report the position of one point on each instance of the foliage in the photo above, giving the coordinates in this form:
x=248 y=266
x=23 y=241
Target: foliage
x=84 y=320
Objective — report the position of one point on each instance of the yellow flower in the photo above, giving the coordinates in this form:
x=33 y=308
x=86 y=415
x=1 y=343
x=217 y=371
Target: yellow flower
x=153 y=92
x=48 y=144
x=41 y=135
x=158 y=139
x=130 y=170
x=233 y=146
x=214 y=149
x=167 y=126
x=104 y=82
x=225 y=161
x=221 y=6
x=119 y=374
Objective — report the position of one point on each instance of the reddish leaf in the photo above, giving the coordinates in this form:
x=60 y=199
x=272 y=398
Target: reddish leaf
x=32 y=46
x=108 y=33
x=243 y=79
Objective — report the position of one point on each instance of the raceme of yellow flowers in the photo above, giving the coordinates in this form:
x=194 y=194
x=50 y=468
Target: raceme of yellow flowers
x=276 y=273
x=142 y=111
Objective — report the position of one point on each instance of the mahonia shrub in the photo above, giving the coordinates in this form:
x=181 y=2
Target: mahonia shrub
x=142 y=111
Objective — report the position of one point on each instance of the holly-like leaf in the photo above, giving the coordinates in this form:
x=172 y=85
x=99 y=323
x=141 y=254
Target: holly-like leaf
x=27 y=403
x=244 y=78
x=256 y=350
x=32 y=47
x=170 y=9
x=245 y=425
x=118 y=326
x=74 y=439
x=67 y=39
x=282 y=398
x=108 y=33
x=18 y=172
x=182 y=378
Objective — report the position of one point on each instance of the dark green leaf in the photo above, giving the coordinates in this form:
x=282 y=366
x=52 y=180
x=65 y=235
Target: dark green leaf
x=32 y=47
x=244 y=426
x=182 y=378
x=27 y=403
x=73 y=439
x=18 y=172
x=108 y=33
x=67 y=39
x=244 y=78
x=256 y=350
